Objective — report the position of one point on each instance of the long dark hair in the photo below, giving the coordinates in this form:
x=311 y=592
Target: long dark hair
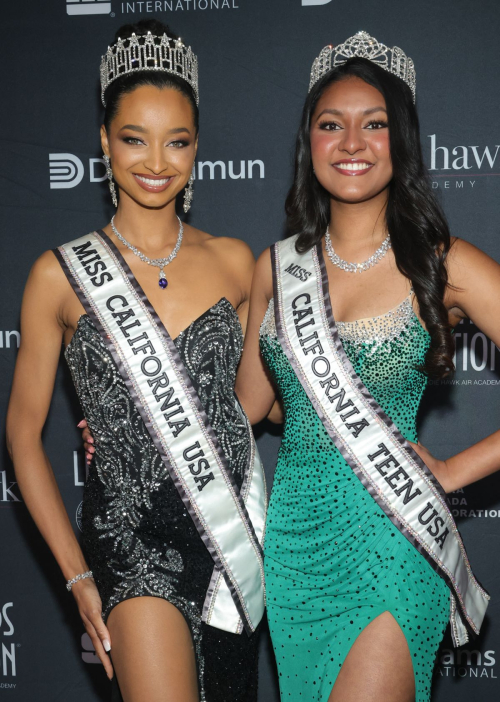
x=418 y=229
x=158 y=79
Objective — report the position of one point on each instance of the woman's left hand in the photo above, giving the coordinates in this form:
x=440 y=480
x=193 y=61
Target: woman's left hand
x=438 y=468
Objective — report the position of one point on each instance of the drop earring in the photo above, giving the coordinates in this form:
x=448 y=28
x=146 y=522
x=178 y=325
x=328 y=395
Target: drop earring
x=189 y=193
x=111 y=183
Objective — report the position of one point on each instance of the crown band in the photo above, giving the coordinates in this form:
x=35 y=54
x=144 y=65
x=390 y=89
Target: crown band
x=362 y=45
x=149 y=53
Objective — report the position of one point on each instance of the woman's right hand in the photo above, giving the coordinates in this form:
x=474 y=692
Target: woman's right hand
x=88 y=440
x=90 y=607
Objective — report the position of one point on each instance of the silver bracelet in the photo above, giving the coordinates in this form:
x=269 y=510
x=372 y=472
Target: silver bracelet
x=81 y=576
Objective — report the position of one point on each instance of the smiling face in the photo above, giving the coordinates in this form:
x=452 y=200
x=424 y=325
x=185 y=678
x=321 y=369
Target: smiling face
x=152 y=144
x=350 y=141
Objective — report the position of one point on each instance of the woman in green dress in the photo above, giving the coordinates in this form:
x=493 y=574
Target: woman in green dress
x=356 y=612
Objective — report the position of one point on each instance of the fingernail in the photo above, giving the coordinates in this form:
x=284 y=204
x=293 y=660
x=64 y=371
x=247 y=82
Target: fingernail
x=90 y=440
x=80 y=423
x=107 y=645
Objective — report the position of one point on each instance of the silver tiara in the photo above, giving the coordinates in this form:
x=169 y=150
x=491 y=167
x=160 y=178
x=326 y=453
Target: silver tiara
x=149 y=53
x=364 y=46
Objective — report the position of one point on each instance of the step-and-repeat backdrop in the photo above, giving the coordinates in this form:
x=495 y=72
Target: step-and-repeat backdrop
x=255 y=57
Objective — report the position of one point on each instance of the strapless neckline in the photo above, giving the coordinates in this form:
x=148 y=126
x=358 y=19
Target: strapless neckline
x=223 y=301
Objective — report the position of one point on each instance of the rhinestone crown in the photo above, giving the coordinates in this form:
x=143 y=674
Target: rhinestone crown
x=364 y=46
x=149 y=53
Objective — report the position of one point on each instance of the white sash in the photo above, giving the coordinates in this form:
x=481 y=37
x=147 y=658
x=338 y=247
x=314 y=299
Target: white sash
x=230 y=522
x=382 y=459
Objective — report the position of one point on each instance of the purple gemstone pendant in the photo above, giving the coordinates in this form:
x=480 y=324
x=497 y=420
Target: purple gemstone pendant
x=163 y=281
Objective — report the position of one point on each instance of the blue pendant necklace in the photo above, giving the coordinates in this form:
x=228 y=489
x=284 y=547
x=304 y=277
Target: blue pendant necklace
x=160 y=263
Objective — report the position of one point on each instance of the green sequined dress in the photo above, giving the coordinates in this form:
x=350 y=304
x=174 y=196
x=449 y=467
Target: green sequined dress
x=334 y=561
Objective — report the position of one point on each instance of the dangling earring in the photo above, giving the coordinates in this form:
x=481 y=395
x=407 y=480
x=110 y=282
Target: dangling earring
x=112 y=188
x=189 y=193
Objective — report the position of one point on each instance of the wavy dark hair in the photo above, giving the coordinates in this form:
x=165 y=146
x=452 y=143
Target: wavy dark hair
x=158 y=79
x=418 y=229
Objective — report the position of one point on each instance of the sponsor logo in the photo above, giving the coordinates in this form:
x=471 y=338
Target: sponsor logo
x=459 y=167
x=67 y=171
x=9 y=339
x=460 y=507
x=8 y=654
x=474 y=351
x=88 y=651
x=474 y=354
x=104 y=7
x=8 y=489
x=88 y=7
x=219 y=169
x=147 y=6
x=464 y=663
x=78 y=516
x=81 y=473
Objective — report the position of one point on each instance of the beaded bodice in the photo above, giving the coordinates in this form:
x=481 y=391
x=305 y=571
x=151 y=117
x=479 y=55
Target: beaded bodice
x=385 y=351
x=210 y=349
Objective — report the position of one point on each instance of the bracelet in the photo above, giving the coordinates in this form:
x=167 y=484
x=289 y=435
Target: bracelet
x=81 y=576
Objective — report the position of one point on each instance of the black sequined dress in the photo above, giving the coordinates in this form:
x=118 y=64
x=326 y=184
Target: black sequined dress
x=138 y=537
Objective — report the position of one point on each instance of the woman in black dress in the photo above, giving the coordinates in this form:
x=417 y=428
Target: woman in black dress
x=151 y=568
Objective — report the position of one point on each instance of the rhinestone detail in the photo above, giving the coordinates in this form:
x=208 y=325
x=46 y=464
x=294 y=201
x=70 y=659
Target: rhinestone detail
x=375 y=331
x=356 y=267
x=365 y=46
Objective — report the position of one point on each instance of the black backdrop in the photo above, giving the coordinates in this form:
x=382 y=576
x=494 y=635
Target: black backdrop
x=255 y=58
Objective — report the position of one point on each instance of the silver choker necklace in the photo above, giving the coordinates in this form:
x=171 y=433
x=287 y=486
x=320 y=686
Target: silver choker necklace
x=160 y=263
x=356 y=267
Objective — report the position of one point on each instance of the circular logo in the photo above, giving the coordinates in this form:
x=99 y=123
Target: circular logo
x=79 y=516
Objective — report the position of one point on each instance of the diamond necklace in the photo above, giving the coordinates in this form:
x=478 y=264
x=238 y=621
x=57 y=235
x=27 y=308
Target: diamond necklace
x=355 y=267
x=161 y=263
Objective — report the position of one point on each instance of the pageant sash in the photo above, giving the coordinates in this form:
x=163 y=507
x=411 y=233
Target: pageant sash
x=382 y=459
x=230 y=522
x=218 y=603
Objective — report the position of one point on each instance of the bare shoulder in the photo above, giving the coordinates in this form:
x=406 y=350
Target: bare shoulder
x=234 y=250
x=47 y=283
x=263 y=278
x=47 y=270
x=229 y=250
x=473 y=277
x=263 y=266
x=466 y=261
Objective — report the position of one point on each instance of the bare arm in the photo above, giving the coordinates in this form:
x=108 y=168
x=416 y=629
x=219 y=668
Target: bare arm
x=41 y=336
x=239 y=266
x=253 y=385
x=476 y=295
